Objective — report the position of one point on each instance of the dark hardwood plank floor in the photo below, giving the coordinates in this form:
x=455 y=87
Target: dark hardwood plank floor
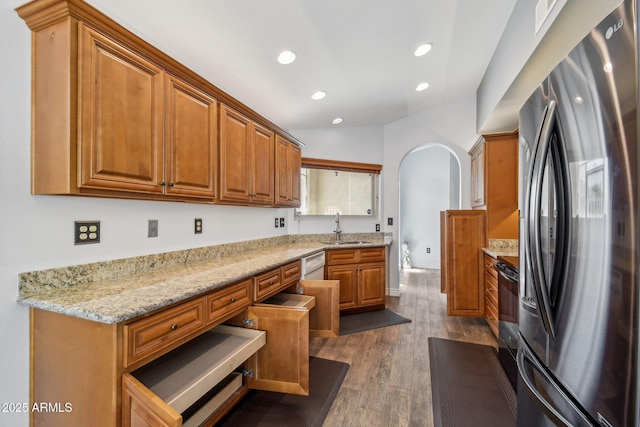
x=389 y=383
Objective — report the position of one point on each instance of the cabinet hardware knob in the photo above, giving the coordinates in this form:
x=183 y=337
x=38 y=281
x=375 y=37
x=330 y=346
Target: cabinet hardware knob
x=171 y=184
x=174 y=326
x=233 y=299
x=271 y=282
x=162 y=183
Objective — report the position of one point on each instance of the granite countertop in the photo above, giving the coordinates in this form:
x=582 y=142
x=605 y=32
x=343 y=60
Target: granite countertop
x=502 y=247
x=118 y=299
x=495 y=253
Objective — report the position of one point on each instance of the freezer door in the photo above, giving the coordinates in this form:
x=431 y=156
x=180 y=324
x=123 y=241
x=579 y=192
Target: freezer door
x=585 y=260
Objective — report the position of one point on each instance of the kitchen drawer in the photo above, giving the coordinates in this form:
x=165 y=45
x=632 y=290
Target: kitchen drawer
x=162 y=331
x=177 y=381
x=491 y=291
x=342 y=256
x=290 y=300
x=222 y=303
x=291 y=273
x=267 y=284
x=491 y=315
x=371 y=254
x=489 y=267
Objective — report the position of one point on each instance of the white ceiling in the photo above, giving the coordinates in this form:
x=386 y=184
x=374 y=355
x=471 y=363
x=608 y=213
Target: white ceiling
x=359 y=51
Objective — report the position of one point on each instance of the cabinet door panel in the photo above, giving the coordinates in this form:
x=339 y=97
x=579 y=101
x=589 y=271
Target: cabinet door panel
x=283 y=193
x=294 y=161
x=191 y=144
x=235 y=134
x=465 y=239
x=371 y=284
x=282 y=365
x=348 y=277
x=324 y=318
x=120 y=115
x=263 y=163
x=141 y=408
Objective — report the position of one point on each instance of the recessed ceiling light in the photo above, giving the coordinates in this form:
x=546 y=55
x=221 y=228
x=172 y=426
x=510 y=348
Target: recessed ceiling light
x=286 y=57
x=337 y=120
x=318 y=95
x=423 y=49
x=422 y=86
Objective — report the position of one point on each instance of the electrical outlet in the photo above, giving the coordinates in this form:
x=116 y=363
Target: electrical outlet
x=153 y=228
x=277 y=222
x=428 y=250
x=197 y=226
x=281 y=222
x=86 y=232
x=389 y=221
x=377 y=227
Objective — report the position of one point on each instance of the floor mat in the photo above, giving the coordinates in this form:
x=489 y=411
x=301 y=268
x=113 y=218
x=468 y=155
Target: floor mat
x=351 y=323
x=469 y=387
x=266 y=409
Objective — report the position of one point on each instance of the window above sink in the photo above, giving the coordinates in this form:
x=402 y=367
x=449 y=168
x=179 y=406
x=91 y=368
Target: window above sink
x=330 y=187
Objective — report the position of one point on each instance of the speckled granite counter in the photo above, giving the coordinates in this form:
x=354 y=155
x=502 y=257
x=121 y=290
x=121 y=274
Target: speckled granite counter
x=116 y=291
x=502 y=247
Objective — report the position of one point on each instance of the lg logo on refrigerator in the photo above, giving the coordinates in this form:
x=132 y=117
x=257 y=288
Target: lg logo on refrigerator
x=613 y=29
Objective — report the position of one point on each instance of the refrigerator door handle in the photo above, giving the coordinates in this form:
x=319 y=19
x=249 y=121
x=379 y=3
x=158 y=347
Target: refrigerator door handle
x=525 y=357
x=534 y=236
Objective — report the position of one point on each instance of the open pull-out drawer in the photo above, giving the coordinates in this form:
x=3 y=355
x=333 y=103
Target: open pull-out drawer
x=324 y=319
x=160 y=393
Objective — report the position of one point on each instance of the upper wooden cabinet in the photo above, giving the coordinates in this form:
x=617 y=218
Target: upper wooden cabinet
x=191 y=144
x=246 y=159
x=494 y=183
x=115 y=117
x=288 y=164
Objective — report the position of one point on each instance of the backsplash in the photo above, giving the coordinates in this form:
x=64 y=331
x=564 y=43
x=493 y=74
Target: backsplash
x=34 y=282
x=503 y=244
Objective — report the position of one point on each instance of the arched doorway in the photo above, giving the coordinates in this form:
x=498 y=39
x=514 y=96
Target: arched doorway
x=429 y=182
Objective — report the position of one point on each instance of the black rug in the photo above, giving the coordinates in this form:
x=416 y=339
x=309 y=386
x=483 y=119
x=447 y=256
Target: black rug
x=469 y=387
x=352 y=323
x=266 y=409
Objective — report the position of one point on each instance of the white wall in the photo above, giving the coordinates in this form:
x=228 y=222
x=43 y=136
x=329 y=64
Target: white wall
x=425 y=181
x=451 y=125
x=36 y=232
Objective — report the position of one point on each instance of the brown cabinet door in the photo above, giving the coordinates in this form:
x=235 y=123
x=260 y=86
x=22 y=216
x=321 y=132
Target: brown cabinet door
x=235 y=159
x=282 y=365
x=348 y=277
x=120 y=117
x=465 y=264
x=324 y=318
x=142 y=408
x=288 y=164
x=191 y=143
x=371 y=284
x=262 y=165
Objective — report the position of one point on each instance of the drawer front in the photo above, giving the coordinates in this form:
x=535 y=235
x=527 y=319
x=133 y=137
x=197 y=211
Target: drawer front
x=230 y=299
x=342 y=256
x=491 y=315
x=291 y=273
x=491 y=290
x=267 y=284
x=371 y=254
x=161 y=331
x=489 y=267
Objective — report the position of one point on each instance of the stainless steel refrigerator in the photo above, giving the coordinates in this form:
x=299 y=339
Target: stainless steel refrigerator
x=578 y=319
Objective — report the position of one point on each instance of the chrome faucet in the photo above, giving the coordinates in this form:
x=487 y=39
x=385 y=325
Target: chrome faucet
x=338 y=231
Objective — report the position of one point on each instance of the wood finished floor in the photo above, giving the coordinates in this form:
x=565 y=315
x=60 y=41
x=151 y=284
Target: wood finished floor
x=388 y=383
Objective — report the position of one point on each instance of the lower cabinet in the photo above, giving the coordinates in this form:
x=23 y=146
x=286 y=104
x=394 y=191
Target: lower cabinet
x=186 y=365
x=362 y=277
x=491 y=293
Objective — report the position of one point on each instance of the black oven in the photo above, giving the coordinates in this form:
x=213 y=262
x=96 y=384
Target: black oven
x=508 y=304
